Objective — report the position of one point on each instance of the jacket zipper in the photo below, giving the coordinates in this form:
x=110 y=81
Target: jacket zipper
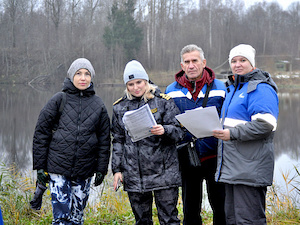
x=78 y=131
x=139 y=160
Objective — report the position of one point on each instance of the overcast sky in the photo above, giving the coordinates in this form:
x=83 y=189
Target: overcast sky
x=283 y=3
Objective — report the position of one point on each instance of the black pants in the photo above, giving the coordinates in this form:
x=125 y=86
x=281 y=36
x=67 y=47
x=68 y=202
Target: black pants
x=245 y=205
x=166 y=204
x=192 y=179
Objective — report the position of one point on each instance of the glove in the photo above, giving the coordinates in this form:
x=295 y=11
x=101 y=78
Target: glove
x=42 y=177
x=36 y=202
x=98 y=179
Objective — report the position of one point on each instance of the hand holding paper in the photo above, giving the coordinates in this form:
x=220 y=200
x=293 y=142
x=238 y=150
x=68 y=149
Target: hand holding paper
x=201 y=121
x=139 y=122
x=158 y=130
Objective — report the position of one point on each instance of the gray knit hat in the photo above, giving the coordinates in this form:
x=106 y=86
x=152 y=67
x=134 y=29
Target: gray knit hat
x=80 y=63
x=244 y=50
x=134 y=70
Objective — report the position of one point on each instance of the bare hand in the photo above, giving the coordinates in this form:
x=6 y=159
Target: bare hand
x=118 y=176
x=158 y=130
x=222 y=134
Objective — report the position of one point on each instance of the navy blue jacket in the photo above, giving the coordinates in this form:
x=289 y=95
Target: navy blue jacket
x=206 y=147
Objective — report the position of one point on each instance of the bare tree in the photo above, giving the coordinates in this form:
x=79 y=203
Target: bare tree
x=11 y=6
x=92 y=6
x=294 y=11
x=55 y=10
x=37 y=36
x=73 y=5
x=151 y=31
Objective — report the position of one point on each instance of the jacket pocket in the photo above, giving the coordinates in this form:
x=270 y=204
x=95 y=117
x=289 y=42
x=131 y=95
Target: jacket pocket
x=250 y=150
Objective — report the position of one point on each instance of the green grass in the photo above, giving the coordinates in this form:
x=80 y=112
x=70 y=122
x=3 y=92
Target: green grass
x=108 y=207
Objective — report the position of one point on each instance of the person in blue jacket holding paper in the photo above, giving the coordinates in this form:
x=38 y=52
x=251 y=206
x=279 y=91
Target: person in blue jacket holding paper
x=246 y=157
x=195 y=86
x=147 y=167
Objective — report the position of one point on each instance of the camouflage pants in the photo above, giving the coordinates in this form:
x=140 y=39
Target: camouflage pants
x=166 y=204
x=69 y=198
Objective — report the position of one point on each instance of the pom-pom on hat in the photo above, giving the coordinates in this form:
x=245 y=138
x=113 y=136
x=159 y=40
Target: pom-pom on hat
x=80 y=63
x=134 y=70
x=244 y=50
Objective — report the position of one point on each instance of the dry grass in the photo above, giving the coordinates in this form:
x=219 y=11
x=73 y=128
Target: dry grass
x=283 y=205
x=109 y=207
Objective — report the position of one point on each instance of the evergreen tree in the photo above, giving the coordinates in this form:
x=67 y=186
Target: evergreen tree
x=123 y=30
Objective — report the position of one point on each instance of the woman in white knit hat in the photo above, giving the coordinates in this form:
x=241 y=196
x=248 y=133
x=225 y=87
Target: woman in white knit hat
x=79 y=147
x=245 y=156
x=148 y=167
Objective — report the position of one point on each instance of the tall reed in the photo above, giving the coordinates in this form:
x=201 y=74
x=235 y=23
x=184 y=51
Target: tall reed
x=106 y=206
x=283 y=205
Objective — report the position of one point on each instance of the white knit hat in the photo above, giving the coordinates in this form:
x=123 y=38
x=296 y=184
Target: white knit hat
x=134 y=70
x=80 y=63
x=244 y=50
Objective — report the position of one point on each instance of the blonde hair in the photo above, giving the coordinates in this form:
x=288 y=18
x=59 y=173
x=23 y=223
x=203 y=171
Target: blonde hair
x=149 y=93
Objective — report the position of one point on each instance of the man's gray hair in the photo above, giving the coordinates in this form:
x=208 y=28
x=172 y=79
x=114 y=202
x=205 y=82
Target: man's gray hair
x=191 y=48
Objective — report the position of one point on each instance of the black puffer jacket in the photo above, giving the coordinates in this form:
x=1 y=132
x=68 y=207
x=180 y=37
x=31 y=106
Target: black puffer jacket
x=151 y=163
x=81 y=144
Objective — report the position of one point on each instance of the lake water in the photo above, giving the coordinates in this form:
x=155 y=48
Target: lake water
x=21 y=104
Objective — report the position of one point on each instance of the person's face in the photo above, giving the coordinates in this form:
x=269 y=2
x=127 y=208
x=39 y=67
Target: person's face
x=192 y=65
x=240 y=65
x=136 y=87
x=82 y=79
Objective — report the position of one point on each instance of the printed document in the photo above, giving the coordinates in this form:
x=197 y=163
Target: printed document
x=200 y=121
x=139 y=122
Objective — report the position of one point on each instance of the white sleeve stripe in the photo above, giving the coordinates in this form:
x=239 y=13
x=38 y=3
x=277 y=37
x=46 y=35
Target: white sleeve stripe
x=266 y=117
x=233 y=122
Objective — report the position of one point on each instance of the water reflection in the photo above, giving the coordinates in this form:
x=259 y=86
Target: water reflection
x=21 y=104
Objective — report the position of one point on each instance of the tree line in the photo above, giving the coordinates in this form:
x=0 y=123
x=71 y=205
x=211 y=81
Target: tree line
x=42 y=37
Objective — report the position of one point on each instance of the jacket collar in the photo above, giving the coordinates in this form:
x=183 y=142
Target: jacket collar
x=69 y=87
x=180 y=77
x=254 y=78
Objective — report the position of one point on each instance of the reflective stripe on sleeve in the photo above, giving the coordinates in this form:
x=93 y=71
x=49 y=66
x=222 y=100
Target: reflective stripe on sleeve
x=266 y=117
x=233 y=122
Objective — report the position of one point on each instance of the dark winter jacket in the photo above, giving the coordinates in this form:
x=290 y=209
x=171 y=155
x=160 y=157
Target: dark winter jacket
x=151 y=163
x=81 y=144
x=250 y=112
x=178 y=90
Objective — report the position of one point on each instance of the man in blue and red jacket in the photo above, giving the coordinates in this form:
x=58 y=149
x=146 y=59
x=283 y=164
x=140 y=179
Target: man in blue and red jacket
x=195 y=86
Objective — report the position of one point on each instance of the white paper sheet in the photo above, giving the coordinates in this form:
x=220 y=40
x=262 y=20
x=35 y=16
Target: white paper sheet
x=139 y=122
x=200 y=121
